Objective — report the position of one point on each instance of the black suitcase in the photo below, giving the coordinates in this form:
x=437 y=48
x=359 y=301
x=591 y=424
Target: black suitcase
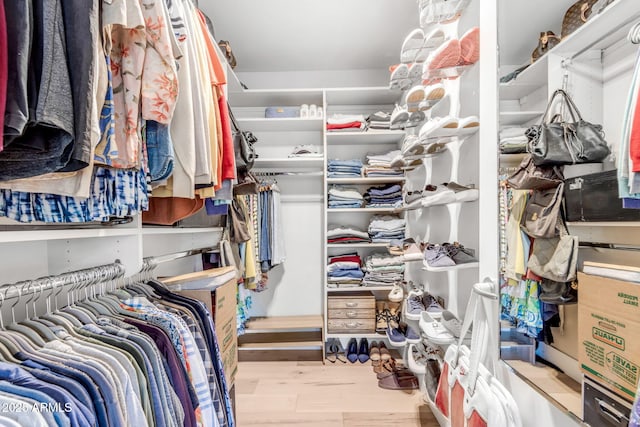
x=594 y=197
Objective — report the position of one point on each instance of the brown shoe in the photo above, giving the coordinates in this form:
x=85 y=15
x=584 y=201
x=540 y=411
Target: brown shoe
x=381 y=318
x=384 y=352
x=374 y=351
x=394 y=311
x=377 y=366
x=399 y=382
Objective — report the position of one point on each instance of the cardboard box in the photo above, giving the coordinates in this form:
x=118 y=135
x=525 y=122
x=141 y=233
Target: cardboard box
x=608 y=331
x=222 y=304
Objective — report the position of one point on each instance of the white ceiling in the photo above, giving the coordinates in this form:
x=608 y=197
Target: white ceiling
x=521 y=22
x=310 y=35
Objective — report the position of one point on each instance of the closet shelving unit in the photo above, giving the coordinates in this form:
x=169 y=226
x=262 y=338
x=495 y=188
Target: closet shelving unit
x=357 y=144
x=593 y=65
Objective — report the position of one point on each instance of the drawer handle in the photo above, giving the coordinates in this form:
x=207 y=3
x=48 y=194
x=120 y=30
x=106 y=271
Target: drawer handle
x=353 y=324
x=611 y=412
x=352 y=304
x=352 y=314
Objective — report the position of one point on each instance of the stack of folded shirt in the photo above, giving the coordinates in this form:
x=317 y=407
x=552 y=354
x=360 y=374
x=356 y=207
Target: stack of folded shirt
x=379 y=120
x=385 y=228
x=346 y=122
x=344 y=168
x=380 y=165
x=383 y=270
x=513 y=140
x=344 y=271
x=386 y=196
x=344 y=197
x=347 y=235
x=306 y=150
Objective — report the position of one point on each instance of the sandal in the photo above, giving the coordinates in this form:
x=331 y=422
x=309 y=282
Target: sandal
x=385 y=355
x=374 y=352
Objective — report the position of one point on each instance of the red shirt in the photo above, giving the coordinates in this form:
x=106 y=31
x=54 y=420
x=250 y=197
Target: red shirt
x=3 y=70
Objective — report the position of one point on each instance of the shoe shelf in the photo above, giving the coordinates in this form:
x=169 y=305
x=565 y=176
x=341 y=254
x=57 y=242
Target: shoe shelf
x=509 y=118
x=357 y=245
x=446 y=73
x=366 y=137
x=457 y=267
x=281 y=124
x=366 y=181
x=417 y=207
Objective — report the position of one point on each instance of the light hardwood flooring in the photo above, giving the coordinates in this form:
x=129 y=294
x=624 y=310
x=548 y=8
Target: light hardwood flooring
x=311 y=394
x=557 y=385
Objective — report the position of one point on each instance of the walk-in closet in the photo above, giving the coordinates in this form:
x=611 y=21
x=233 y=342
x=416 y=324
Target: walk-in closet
x=296 y=213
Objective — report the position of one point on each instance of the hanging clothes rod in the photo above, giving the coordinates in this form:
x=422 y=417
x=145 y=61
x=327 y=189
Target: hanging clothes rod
x=591 y=45
x=78 y=278
x=153 y=261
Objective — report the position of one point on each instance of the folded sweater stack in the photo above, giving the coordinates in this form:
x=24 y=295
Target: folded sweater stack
x=344 y=197
x=385 y=228
x=383 y=270
x=380 y=165
x=346 y=122
x=386 y=196
x=344 y=271
x=513 y=140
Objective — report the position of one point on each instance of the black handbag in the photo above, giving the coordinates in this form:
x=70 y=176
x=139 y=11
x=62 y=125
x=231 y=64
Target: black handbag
x=243 y=142
x=559 y=293
x=558 y=142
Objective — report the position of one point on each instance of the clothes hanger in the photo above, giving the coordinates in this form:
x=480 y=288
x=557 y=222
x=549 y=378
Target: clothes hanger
x=5 y=350
x=22 y=329
x=634 y=34
x=45 y=333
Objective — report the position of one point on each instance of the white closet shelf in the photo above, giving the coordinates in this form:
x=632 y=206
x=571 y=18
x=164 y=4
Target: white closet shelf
x=357 y=245
x=514 y=91
x=362 y=210
x=371 y=336
x=604 y=224
x=362 y=96
x=508 y=118
x=597 y=33
x=361 y=288
x=415 y=208
x=368 y=137
x=275 y=97
x=375 y=180
x=534 y=76
x=150 y=231
x=452 y=268
x=64 y=234
x=289 y=163
x=281 y=124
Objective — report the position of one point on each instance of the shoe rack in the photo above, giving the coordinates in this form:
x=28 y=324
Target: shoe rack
x=458 y=162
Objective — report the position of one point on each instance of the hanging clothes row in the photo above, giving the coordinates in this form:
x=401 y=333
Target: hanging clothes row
x=629 y=148
x=256 y=227
x=106 y=103
x=137 y=355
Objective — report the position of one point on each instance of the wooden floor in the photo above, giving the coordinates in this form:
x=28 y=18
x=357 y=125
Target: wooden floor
x=560 y=387
x=311 y=394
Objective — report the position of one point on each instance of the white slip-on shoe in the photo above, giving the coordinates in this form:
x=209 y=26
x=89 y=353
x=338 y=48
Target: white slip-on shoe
x=437 y=195
x=463 y=193
x=411 y=46
x=436 y=333
x=468 y=125
x=399 y=118
x=432 y=41
x=399 y=77
x=414 y=97
x=396 y=294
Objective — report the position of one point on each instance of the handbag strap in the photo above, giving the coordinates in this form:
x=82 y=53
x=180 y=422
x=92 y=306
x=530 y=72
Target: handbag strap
x=482 y=337
x=469 y=315
x=573 y=110
x=234 y=123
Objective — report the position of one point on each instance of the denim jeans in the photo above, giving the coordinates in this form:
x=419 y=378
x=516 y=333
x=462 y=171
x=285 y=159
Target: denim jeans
x=160 y=151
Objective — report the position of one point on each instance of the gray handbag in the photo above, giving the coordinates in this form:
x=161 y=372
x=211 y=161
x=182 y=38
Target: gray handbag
x=558 y=142
x=555 y=259
x=528 y=176
x=542 y=212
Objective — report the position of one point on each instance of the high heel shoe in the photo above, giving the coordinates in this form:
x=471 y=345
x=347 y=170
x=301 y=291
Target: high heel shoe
x=363 y=352
x=352 y=350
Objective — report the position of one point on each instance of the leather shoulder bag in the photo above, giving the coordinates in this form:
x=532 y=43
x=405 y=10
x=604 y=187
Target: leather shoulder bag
x=576 y=16
x=528 y=176
x=542 y=212
x=245 y=153
x=559 y=142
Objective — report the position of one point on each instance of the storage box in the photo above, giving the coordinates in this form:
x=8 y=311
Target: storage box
x=608 y=331
x=351 y=312
x=594 y=197
x=281 y=112
x=222 y=304
x=602 y=408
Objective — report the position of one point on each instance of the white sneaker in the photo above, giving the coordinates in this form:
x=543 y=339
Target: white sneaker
x=396 y=294
x=437 y=195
